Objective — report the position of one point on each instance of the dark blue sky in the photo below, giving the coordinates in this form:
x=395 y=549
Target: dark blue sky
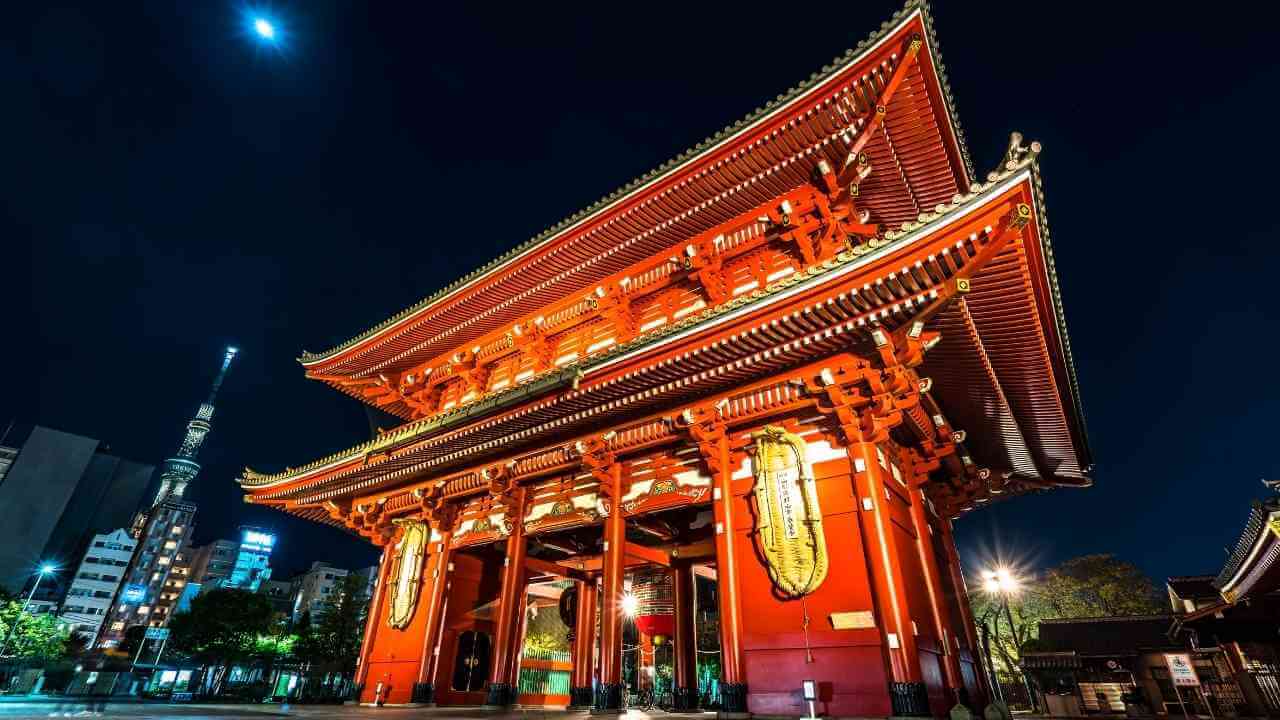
x=169 y=188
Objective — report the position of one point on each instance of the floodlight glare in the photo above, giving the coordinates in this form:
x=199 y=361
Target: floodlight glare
x=630 y=604
x=47 y=568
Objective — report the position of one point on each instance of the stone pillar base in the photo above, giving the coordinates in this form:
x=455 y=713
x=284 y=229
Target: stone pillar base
x=909 y=699
x=608 y=699
x=423 y=694
x=501 y=696
x=733 y=700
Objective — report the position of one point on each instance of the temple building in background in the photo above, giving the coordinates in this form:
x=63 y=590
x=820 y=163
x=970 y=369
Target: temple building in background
x=782 y=364
x=156 y=577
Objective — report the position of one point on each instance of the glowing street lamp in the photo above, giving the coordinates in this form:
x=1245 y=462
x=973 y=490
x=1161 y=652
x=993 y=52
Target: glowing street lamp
x=45 y=569
x=998 y=582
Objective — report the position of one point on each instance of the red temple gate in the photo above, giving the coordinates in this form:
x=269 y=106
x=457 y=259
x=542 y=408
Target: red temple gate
x=790 y=358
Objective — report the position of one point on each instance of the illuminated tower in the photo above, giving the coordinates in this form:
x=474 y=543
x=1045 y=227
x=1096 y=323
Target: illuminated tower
x=178 y=471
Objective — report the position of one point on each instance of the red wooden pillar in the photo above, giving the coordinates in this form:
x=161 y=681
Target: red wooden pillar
x=907 y=692
x=506 y=654
x=374 y=620
x=684 y=651
x=933 y=586
x=966 y=612
x=733 y=681
x=436 y=581
x=584 y=646
x=609 y=694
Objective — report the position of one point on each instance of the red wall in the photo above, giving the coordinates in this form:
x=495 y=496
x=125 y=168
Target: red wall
x=395 y=654
x=849 y=665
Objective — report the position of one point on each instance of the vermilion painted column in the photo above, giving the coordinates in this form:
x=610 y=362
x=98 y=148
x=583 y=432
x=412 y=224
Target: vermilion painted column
x=609 y=694
x=436 y=581
x=684 y=651
x=733 y=681
x=966 y=610
x=933 y=584
x=584 y=646
x=907 y=692
x=374 y=621
x=510 y=605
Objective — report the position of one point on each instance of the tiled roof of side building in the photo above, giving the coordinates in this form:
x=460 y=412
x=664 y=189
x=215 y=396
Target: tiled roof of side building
x=1107 y=636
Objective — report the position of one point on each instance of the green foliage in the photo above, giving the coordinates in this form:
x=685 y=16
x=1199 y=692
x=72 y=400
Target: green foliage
x=36 y=637
x=222 y=627
x=333 y=639
x=545 y=631
x=1088 y=586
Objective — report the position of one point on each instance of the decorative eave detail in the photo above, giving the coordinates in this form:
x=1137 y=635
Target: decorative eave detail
x=1021 y=162
x=1256 y=555
x=670 y=168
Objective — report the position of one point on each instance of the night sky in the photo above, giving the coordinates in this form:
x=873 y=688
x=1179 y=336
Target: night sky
x=170 y=187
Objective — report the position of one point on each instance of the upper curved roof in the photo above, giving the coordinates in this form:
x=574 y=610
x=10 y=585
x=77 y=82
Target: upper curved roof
x=922 y=162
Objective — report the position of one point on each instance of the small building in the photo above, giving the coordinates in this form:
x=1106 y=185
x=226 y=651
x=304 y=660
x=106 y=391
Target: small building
x=1237 y=612
x=314 y=590
x=95 y=582
x=213 y=563
x=1121 y=664
x=280 y=594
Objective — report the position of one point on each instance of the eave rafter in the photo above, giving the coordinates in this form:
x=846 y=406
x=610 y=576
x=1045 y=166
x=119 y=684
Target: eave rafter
x=863 y=81
x=814 y=221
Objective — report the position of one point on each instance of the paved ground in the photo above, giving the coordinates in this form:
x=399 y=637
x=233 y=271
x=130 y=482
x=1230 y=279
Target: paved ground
x=146 y=711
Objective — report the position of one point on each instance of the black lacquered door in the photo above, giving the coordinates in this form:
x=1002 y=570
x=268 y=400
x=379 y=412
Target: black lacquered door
x=471 y=663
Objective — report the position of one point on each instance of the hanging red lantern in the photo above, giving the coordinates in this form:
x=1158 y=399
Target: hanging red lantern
x=655 y=603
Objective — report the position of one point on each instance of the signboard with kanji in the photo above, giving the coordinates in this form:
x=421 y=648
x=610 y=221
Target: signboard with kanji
x=1181 y=671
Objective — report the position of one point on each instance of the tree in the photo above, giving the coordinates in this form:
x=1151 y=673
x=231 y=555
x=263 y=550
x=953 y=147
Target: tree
x=221 y=629
x=333 y=638
x=1087 y=586
x=36 y=637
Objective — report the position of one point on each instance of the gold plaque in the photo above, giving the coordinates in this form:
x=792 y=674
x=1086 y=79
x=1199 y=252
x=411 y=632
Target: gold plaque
x=406 y=572
x=789 y=521
x=857 y=620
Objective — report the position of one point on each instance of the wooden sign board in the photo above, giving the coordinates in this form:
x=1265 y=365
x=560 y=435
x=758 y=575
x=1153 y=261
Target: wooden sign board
x=857 y=620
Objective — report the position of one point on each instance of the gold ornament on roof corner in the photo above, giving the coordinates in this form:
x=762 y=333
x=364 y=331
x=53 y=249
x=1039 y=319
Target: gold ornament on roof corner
x=789 y=520
x=406 y=572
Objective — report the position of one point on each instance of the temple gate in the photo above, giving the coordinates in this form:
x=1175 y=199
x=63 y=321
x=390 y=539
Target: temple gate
x=778 y=367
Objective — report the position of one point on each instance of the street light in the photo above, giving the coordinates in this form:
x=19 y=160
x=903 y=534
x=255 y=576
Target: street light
x=1000 y=582
x=45 y=569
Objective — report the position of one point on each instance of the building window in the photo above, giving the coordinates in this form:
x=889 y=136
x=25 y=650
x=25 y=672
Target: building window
x=170 y=544
x=144 y=609
x=162 y=560
x=117 y=625
x=177 y=530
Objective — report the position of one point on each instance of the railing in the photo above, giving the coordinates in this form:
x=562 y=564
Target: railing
x=544 y=677
x=1268 y=682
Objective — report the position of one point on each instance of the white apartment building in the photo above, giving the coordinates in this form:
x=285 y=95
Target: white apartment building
x=315 y=589
x=96 y=581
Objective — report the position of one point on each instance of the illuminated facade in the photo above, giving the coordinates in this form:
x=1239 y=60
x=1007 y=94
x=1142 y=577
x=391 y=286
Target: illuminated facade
x=786 y=360
x=253 y=559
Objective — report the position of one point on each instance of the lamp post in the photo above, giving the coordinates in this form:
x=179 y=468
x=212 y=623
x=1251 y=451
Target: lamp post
x=1000 y=582
x=45 y=569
